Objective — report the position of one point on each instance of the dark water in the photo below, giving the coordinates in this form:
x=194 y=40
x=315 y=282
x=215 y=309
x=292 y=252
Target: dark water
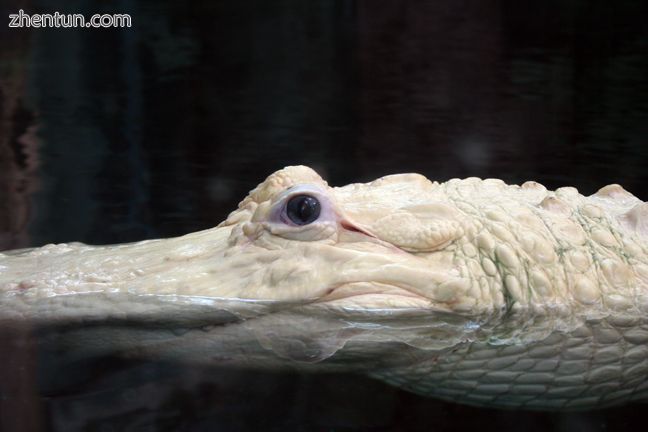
x=110 y=136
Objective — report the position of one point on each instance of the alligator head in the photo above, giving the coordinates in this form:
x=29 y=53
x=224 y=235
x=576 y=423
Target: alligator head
x=369 y=246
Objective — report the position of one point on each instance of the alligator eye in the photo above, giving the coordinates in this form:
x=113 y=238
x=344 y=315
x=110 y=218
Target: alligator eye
x=303 y=209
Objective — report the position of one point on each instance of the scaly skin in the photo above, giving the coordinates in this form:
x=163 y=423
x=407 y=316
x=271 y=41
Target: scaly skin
x=470 y=290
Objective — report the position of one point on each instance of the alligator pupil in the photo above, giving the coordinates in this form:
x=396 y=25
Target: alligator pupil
x=303 y=209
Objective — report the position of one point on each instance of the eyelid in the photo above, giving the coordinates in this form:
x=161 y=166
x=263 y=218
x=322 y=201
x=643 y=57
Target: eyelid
x=301 y=190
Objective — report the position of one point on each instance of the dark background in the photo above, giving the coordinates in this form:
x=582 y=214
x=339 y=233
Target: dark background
x=115 y=135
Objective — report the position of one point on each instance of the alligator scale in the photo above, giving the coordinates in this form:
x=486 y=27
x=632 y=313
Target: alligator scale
x=471 y=290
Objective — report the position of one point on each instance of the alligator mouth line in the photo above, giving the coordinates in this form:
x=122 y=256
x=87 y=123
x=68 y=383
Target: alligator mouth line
x=373 y=296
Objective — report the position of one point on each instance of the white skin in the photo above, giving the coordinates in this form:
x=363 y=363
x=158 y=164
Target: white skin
x=404 y=278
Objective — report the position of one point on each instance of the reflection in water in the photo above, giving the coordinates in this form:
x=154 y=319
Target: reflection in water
x=111 y=135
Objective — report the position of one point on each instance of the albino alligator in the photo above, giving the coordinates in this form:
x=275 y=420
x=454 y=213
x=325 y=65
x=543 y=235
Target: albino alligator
x=471 y=290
